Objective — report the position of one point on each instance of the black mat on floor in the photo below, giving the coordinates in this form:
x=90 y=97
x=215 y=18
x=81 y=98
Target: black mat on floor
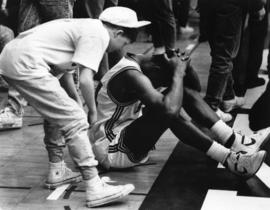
x=186 y=178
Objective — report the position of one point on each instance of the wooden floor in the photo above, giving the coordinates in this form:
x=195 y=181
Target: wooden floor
x=23 y=163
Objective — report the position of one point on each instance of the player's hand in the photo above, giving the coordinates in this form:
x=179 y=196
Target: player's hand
x=179 y=66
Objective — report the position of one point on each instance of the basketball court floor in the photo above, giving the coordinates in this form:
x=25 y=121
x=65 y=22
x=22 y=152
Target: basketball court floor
x=177 y=177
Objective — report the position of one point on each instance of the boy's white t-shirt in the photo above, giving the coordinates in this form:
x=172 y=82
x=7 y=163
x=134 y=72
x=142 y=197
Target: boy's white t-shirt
x=63 y=43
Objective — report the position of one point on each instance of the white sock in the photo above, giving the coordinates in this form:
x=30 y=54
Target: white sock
x=221 y=131
x=218 y=152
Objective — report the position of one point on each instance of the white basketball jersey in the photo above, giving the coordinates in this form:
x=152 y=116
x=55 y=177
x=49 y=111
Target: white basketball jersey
x=113 y=115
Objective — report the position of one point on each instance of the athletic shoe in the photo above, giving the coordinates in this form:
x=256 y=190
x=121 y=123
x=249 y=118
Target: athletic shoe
x=186 y=30
x=60 y=174
x=9 y=119
x=225 y=117
x=252 y=143
x=229 y=105
x=102 y=193
x=243 y=164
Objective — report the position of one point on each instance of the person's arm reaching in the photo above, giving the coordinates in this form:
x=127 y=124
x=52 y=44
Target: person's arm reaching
x=88 y=92
x=68 y=84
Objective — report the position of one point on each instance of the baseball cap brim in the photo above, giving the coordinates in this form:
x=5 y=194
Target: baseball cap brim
x=136 y=24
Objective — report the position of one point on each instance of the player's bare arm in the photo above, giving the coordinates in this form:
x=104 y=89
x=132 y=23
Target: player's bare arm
x=168 y=103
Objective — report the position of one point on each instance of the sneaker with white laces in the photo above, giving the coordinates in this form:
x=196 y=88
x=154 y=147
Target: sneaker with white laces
x=229 y=105
x=9 y=119
x=252 y=143
x=102 y=193
x=225 y=117
x=245 y=165
x=60 y=174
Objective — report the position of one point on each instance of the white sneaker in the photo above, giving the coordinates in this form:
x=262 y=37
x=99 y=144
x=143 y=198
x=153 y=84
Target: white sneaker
x=229 y=105
x=243 y=164
x=251 y=143
x=9 y=119
x=60 y=174
x=103 y=193
x=186 y=30
x=225 y=117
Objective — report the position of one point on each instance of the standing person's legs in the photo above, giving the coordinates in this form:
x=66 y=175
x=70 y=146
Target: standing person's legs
x=55 y=9
x=240 y=62
x=52 y=102
x=59 y=173
x=93 y=7
x=33 y=13
x=268 y=60
x=6 y=35
x=258 y=32
x=224 y=43
x=11 y=112
x=28 y=15
x=183 y=17
x=163 y=27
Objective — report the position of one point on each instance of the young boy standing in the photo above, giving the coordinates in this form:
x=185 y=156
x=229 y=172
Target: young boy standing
x=67 y=44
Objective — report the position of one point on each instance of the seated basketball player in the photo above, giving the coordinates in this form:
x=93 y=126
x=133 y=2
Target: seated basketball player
x=123 y=136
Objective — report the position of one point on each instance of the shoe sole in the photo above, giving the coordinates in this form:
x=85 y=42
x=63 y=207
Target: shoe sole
x=264 y=156
x=52 y=186
x=11 y=126
x=266 y=139
x=110 y=199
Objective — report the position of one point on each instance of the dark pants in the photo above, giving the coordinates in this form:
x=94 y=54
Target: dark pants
x=268 y=63
x=92 y=8
x=34 y=12
x=163 y=27
x=221 y=22
x=181 y=10
x=249 y=59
